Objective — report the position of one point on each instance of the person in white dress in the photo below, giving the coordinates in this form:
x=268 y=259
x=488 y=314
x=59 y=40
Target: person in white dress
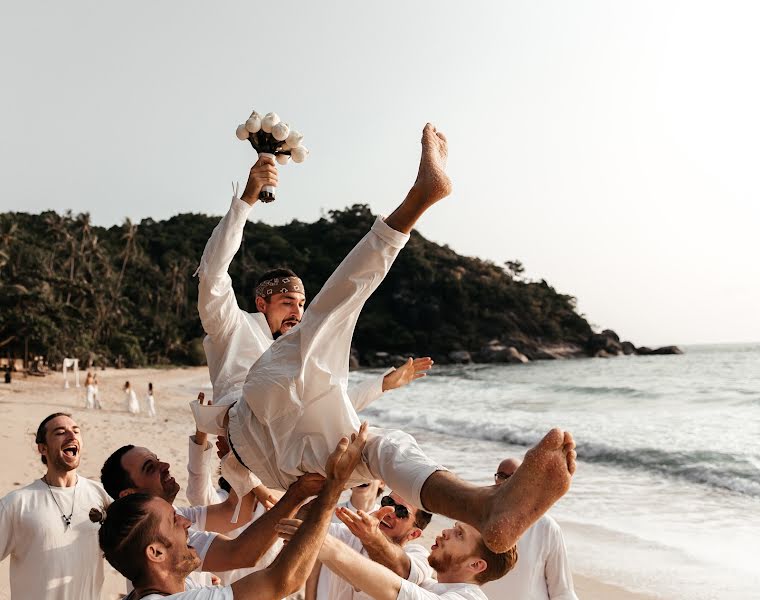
x=89 y=388
x=96 y=392
x=295 y=403
x=150 y=402
x=130 y=399
x=45 y=527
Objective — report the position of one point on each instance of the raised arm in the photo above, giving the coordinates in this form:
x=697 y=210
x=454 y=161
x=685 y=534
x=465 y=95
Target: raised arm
x=217 y=305
x=365 y=393
x=290 y=569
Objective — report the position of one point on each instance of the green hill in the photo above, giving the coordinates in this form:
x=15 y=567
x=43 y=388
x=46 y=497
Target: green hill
x=127 y=293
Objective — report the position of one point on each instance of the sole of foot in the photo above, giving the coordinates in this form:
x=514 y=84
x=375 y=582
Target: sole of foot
x=542 y=479
x=432 y=181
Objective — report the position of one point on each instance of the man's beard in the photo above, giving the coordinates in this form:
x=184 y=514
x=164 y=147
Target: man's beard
x=441 y=563
x=59 y=464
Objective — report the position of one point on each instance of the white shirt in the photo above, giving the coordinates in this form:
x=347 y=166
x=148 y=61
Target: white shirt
x=235 y=339
x=542 y=571
x=333 y=587
x=49 y=562
x=430 y=589
x=204 y=593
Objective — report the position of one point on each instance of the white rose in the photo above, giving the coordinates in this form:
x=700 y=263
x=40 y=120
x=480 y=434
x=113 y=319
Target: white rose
x=282 y=159
x=294 y=138
x=299 y=154
x=241 y=132
x=280 y=131
x=253 y=124
x=270 y=120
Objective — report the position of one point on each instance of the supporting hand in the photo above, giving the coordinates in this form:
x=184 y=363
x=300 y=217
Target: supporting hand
x=346 y=456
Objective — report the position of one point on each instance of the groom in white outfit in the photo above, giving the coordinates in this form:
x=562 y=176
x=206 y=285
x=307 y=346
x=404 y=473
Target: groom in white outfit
x=296 y=407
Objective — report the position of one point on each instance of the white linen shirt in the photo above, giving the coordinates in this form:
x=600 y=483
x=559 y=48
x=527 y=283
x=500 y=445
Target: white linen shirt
x=542 y=571
x=49 y=561
x=430 y=589
x=235 y=339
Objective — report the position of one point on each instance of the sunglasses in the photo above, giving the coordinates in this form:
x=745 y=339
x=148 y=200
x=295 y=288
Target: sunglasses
x=501 y=476
x=402 y=512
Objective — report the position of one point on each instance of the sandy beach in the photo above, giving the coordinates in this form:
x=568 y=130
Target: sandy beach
x=28 y=400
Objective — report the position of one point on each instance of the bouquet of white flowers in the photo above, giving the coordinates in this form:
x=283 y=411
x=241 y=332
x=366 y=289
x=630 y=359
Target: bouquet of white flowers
x=270 y=136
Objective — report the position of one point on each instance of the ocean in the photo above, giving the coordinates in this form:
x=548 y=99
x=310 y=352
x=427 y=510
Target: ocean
x=666 y=499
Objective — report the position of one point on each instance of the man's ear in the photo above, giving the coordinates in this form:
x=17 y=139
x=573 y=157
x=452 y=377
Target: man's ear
x=414 y=534
x=156 y=552
x=261 y=305
x=42 y=449
x=127 y=492
x=477 y=565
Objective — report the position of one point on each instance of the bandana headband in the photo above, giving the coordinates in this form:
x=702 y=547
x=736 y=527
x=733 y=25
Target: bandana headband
x=279 y=285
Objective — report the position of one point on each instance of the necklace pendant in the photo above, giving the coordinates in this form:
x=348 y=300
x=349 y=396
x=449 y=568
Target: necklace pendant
x=66 y=522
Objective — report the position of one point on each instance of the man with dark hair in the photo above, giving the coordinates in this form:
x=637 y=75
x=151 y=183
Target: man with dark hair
x=384 y=536
x=543 y=571
x=459 y=556
x=147 y=541
x=44 y=527
x=235 y=339
x=133 y=469
x=295 y=402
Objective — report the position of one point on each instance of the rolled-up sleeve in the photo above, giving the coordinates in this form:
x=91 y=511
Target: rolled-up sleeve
x=200 y=468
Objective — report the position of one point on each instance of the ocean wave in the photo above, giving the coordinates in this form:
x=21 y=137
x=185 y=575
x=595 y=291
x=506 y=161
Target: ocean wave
x=602 y=390
x=714 y=469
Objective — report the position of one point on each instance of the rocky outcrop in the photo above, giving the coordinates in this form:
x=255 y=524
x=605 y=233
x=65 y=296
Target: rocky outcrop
x=460 y=357
x=628 y=348
x=496 y=352
x=607 y=341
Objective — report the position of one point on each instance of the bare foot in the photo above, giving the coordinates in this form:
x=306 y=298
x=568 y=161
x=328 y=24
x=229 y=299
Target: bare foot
x=432 y=182
x=541 y=480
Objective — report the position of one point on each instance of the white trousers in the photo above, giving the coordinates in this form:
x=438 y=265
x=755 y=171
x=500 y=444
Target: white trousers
x=296 y=407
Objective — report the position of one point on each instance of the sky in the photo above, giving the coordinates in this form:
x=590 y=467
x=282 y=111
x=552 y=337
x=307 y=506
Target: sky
x=612 y=147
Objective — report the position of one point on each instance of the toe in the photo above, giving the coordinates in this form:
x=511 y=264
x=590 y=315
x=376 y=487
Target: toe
x=553 y=440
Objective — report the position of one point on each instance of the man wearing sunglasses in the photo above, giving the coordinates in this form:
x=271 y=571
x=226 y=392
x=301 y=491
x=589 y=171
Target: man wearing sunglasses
x=543 y=572
x=385 y=537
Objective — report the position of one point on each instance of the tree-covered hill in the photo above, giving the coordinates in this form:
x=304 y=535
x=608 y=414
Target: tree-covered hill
x=69 y=288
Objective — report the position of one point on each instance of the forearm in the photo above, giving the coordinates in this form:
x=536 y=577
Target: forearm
x=312 y=583
x=200 y=485
x=370 y=577
x=219 y=515
x=383 y=551
x=289 y=571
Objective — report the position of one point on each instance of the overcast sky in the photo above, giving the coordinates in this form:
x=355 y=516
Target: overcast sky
x=612 y=147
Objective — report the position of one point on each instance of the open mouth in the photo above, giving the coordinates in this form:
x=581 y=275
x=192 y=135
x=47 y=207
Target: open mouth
x=385 y=524
x=71 y=450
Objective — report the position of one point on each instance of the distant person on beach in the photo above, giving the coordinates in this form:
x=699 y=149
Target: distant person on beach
x=385 y=536
x=144 y=539
x=95 y=393
x=89 y=389
x=130 y=399
x=295 y=405
x=542 y=572
x=45 y=527
x=150 y=402
x=460 y=558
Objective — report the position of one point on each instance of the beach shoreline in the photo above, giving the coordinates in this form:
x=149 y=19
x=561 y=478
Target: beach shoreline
x=28 y=400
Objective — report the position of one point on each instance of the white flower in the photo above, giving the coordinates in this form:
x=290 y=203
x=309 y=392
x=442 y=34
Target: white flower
x=282 y=159
x=270 y=120
x=299 y=154
x=294 y=138
x=253 y=124
x=241 y=132
x=280 y=131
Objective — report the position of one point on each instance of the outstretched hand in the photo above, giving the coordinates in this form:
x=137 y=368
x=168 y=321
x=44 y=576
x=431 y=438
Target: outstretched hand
x=201 y=437
x=412 y=369
x=346 y=456
x=363 y=525
x=264 y=172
